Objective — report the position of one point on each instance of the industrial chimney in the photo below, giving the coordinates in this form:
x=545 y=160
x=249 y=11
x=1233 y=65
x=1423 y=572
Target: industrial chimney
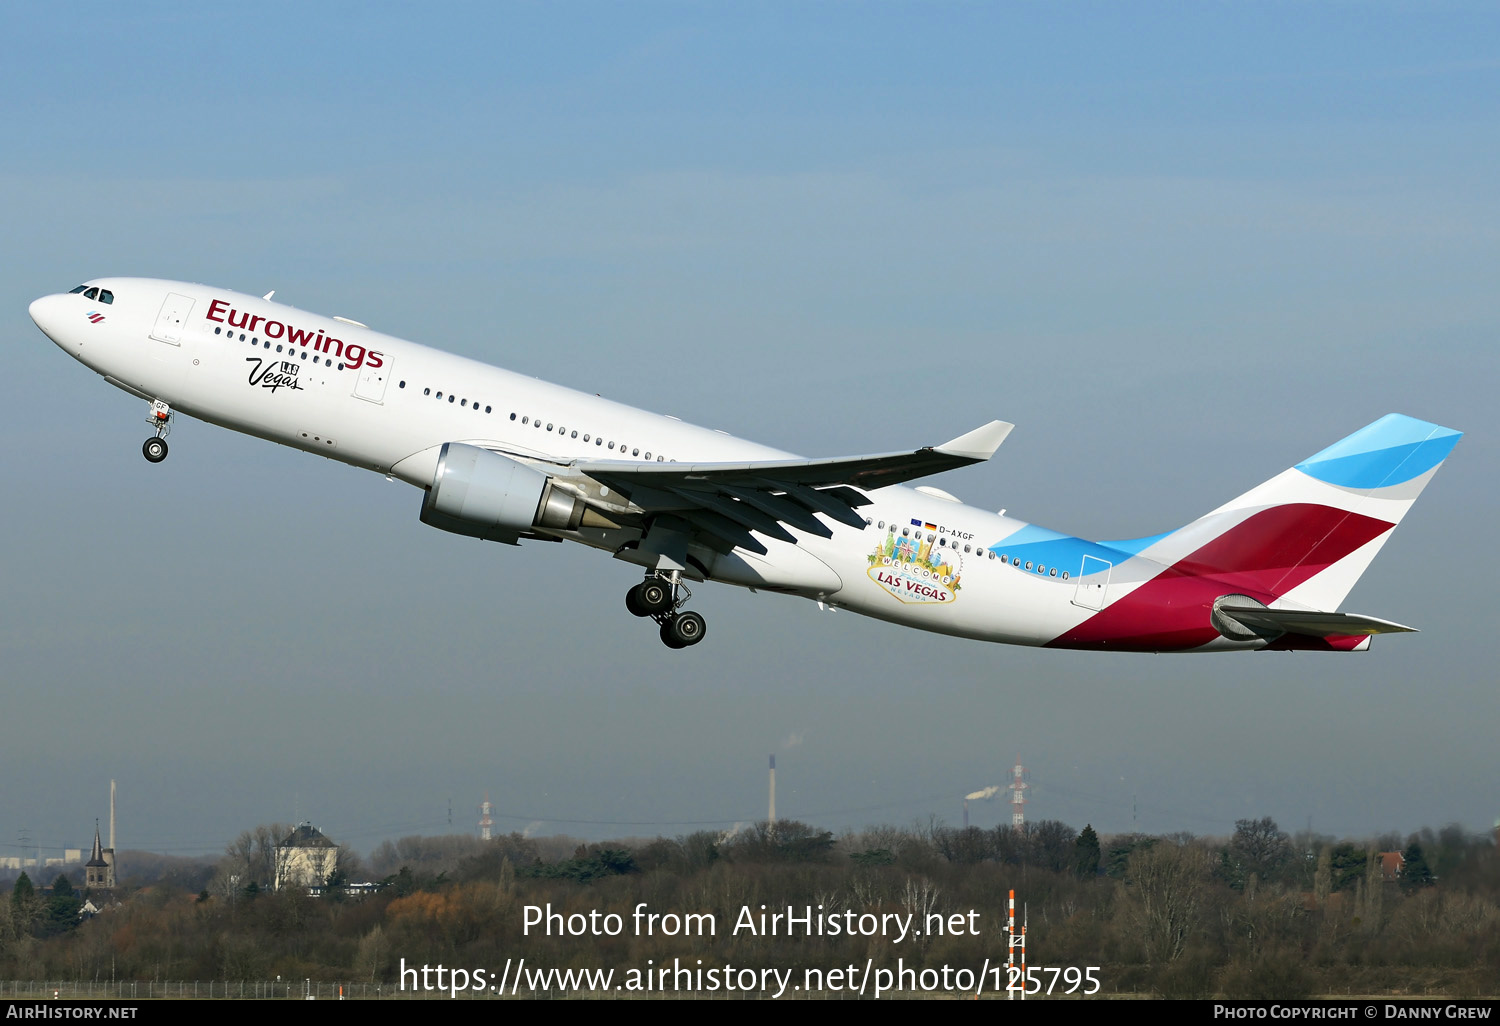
x=772 y=816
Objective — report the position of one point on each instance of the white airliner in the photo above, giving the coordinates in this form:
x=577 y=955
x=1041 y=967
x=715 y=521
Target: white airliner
x=505 y=457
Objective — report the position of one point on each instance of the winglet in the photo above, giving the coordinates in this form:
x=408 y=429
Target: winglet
x=979 y=444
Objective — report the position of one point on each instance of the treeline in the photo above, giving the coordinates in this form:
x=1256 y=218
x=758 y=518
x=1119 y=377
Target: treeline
x=1260 y=914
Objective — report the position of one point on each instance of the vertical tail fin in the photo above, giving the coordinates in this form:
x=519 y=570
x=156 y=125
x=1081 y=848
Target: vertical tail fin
x=1294 y=544
x=1307 y=534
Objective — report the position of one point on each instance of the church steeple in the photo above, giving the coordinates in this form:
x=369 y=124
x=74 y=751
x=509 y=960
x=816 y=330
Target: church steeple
x=98 y=872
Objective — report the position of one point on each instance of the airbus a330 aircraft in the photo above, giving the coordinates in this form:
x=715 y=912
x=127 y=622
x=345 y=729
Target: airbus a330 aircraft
x=505 y=457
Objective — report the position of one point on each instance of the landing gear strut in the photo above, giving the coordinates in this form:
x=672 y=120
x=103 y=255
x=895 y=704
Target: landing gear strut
x=155 y=449
x=661 y=597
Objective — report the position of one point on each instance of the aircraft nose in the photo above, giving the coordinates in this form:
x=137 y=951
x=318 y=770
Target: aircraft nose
x=47 y=314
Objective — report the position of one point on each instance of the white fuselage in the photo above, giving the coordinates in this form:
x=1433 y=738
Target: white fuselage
x=389 y=405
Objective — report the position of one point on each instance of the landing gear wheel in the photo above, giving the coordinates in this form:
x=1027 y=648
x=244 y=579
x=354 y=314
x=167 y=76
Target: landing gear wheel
x=154 y=449
x=653 y=595
x=633 y=602
x=685 y=629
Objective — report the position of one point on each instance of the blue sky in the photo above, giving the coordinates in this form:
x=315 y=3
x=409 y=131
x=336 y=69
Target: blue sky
x=1181 y=246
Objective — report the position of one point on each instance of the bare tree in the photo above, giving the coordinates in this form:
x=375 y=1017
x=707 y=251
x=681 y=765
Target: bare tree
x=1374 y=891
x=1323 y=877
x=1051 y=842
x=919 y=900
x=252 y=855
x=1259 y=846
x=1168 y=889
x=430 y=856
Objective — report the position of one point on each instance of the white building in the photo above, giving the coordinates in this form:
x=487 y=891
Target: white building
x=306 y=858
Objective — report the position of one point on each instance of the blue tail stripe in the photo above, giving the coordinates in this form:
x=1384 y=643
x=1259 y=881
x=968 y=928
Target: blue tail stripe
x=1045 y=548
x=1390 y=451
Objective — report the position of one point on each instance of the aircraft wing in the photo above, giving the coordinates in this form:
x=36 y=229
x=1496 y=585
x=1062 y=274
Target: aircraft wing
x=1312 y=623
x=730 y=501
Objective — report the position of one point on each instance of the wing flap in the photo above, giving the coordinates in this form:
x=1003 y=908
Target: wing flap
x=732 y=535
x=819 y=501
x=741 y=513
x=781 y=508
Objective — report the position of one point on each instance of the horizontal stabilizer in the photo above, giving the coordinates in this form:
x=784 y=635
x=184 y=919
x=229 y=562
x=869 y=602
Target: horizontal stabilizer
x=1312 y=623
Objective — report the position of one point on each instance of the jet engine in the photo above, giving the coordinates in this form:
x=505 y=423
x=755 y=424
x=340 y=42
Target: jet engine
x=483 y=494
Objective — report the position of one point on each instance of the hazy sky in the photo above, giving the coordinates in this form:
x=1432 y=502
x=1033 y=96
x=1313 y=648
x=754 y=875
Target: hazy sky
x=1182 y=247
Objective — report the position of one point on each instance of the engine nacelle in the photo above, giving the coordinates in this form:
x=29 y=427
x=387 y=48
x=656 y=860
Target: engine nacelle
x=485 y=495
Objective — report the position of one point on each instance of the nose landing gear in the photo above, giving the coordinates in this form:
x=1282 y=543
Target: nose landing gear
x=160 y=417
x=661 y=596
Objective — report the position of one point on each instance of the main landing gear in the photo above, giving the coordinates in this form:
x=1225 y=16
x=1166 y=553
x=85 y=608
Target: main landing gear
x=155 y=449
x=658 y=597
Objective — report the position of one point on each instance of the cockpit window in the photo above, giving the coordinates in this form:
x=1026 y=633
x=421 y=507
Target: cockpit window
x=106 y=296
x=74 y=292
x=91 y=294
